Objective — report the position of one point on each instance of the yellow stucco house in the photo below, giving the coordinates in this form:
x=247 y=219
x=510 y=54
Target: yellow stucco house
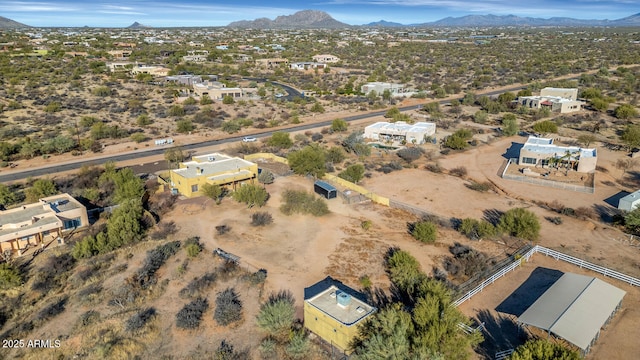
x=39 y=223
x=214 y=169
x=333 y=311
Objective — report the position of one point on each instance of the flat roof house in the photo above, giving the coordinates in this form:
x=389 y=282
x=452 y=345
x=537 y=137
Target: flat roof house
x=555 y=99
x=326 y=58
x=214 y=169
x=400 y=132
x=40 y=222
x=380 y=87
x=542 y=151
x=333 y=311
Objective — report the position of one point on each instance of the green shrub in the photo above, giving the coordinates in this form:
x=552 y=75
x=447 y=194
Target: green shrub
x=9 y=277
x=520 y=222
x=425 y=231
x=302 y=202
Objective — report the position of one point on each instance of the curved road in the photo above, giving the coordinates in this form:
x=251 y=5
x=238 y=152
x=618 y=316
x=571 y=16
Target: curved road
x=48 y=170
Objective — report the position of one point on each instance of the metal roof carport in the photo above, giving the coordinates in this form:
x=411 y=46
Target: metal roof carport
x=574 y=308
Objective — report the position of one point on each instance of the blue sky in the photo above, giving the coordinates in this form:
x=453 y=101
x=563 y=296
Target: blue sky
x=162 y=13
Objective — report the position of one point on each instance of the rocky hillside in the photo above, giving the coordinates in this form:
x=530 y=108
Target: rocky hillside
x=306 y=19
x=10 y=24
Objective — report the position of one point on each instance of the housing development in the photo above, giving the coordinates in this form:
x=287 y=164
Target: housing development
x=300 y=188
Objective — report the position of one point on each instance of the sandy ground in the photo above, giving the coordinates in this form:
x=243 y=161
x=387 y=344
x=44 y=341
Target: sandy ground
x=448 y=196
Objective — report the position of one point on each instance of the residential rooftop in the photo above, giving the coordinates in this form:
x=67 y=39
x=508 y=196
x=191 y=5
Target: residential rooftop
x=212 y=165
x=403 y=127
x=45 y=206
x=546 y=146
x=341 y=306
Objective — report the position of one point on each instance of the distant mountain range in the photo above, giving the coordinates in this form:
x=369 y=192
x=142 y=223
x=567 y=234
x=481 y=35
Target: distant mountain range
x=320 y=19
x=10 y=24
x=315 y=19
x=305 y=19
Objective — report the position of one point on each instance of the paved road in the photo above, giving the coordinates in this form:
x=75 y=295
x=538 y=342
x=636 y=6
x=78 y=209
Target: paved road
x=49 y=170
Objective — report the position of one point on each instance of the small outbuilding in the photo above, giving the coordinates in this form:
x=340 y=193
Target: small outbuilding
x=325 y=189
x=629 y=202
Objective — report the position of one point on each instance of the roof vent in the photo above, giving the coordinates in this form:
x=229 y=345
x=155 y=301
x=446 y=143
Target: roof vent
x=333 y=294
x=359 y=310
x=344 y=299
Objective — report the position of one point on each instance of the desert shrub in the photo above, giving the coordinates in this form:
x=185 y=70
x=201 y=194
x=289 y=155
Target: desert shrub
x=541 y=349
x=466 y=261
x=520 y=222
x=316 y=137
x=280 y=140
x=163 y=230
x=268 y=348
x=479 y=186
x=459 y=171
x=140 y=319
x=86 y=293
x=302 y=202
x=145 y=276
x=266 y=177
x=228 y=307
x=584 y=212
x=353 y=173
x=190 y=315
x=88 y=318
x=556 y=206
x=276 y=316
x=568 y=211
x=365 y=281
x=261 y=218
x=228 y=270
x=223 y=229
x=226 y=351
x=53 y=309
x=366 y=224
x=434 y=168
x=476 y=229
x=258 y=277
x=9 y=276
x=192 y=246
x=198 y=284
x=556 y=220
x=425 y=231
x=390 y=166
x=409 y=154
x=298 y=346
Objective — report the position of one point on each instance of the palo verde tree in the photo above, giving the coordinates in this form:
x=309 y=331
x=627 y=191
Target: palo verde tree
x=252 y=195
x=353 y=173
x=520 y=222
x=631 y=136
x=541 y=349
x=310 y=160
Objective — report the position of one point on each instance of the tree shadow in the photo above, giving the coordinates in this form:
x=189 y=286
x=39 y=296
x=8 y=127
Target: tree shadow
x=630 y=180
x=606 y=213
x=493 y=215
x=377 y=297
x=513 y=151
x=540 y=280
x=501 y=332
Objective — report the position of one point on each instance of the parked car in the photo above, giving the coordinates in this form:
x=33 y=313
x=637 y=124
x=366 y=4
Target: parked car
x=249 y=139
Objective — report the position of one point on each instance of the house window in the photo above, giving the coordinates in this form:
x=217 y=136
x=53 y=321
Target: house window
x=194 y=188
x=72 y=223
x=528 y=160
